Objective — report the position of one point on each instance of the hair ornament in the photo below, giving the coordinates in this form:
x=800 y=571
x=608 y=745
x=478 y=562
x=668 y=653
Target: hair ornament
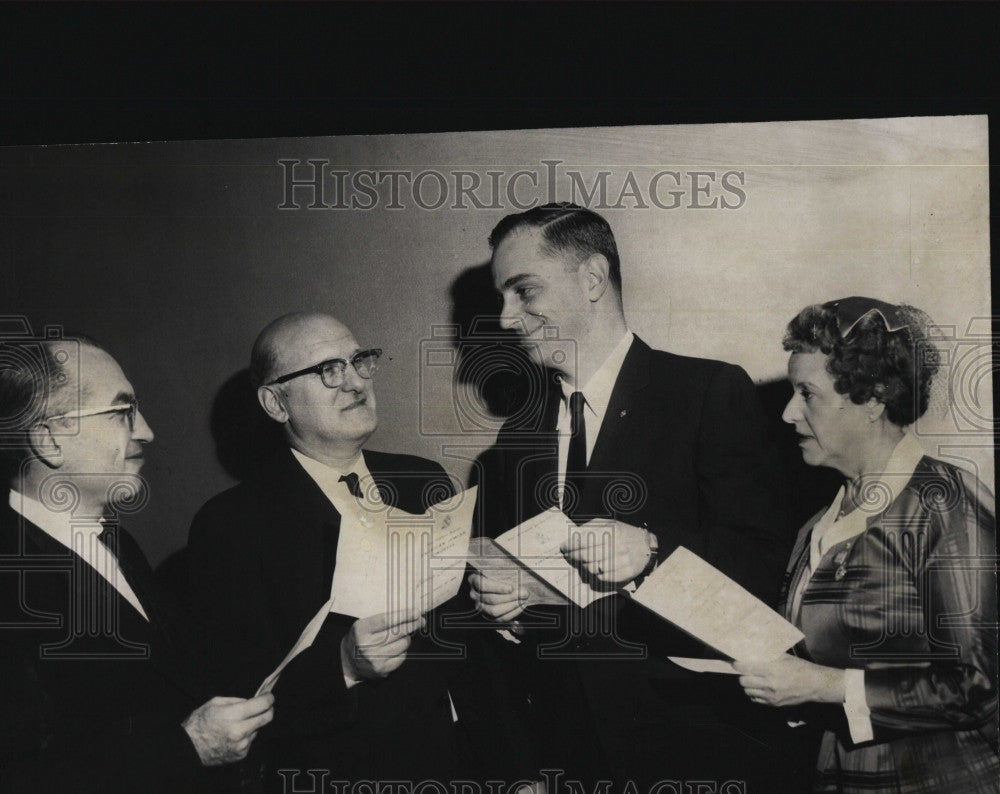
x=850 y=311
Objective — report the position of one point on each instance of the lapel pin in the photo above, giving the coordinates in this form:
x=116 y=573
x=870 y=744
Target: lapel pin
x=623 y=414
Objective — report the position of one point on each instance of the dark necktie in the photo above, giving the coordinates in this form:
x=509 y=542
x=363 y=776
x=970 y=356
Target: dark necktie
x=576 y=459
x=353 y=484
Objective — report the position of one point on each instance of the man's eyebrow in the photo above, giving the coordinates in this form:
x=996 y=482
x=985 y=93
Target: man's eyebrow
x=513 y=281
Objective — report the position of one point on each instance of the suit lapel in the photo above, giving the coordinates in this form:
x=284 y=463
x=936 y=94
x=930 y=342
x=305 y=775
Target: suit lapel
x=301 y=524
x=621 y=437
x=59 y=579
x=618 y=436
x=393 y=486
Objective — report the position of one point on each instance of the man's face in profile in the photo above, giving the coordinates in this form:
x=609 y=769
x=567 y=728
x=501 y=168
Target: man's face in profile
x=102 y=450
x=545 y=298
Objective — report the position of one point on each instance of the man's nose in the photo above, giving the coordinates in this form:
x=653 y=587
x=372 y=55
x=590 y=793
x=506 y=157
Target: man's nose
x=510 y=319
x=142 y=431
x=353 y=380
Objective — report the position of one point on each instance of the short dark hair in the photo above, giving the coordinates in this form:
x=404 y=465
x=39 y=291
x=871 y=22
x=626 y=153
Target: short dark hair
x=566 y=227
x=894 y=367
x=31 y=378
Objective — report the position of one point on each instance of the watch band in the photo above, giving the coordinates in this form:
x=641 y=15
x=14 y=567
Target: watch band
x=654 y=549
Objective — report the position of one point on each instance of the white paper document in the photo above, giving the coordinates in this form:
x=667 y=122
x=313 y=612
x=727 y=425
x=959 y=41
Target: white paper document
x=704 y=665
x=418 y=563
x=406 y=561
x=714 y=609
x=305 y=639
x=536 y=542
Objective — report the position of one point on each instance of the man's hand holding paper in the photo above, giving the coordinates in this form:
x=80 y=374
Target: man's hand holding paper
x=501 y=599
x=532 y=562
x=608 y=553
x=377 y=645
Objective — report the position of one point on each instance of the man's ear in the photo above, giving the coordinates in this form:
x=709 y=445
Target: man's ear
x=596 y=270
x=272 y=404
x=45 y=446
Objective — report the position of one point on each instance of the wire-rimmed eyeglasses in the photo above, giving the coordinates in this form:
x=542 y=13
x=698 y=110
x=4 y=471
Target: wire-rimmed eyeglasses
x=129 y=410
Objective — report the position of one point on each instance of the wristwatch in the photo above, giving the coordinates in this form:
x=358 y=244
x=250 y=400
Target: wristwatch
x=654 y=549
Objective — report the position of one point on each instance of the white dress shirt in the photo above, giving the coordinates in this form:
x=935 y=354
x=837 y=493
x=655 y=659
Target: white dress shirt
x=80 y=536
x=360 y=576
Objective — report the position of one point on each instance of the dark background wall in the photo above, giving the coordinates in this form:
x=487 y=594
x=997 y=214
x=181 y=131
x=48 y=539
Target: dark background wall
x=176 y=254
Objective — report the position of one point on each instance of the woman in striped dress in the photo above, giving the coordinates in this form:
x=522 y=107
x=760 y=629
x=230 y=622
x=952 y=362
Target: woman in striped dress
x=893 y=585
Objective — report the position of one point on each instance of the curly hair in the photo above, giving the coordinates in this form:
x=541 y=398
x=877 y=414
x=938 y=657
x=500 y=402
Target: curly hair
x=894 y=367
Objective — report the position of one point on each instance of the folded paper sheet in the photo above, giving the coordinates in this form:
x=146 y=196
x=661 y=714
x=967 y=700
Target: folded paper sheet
x=703 y=665
x=423 y=568
x=416 y=562
x=714 y=609
x=304 y=641
x=535 y=544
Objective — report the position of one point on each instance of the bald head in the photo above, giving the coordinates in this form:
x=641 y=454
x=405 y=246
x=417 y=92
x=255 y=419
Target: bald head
x=328 y=424
x=277 y=344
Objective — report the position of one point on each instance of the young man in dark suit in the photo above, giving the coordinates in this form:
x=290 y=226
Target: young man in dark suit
x=370 y=699
x=674 y=451
x=99 y=678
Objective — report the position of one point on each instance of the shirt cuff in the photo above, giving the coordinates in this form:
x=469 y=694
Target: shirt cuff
x=508 y=635
x=856 y=707
x=349 y=679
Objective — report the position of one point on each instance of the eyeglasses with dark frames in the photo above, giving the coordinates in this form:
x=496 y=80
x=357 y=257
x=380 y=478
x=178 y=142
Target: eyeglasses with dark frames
x=333 y=371
x=129 y=410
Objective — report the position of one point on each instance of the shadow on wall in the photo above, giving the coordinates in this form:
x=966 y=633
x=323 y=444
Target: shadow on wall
x=809 y=487
x=488 y=357
x=244 y=439
x=244 y=435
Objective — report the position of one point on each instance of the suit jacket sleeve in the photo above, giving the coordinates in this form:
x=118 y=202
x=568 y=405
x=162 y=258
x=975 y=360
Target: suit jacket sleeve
x=741 y=487
x=44 y=748
x=227 y=589
x=154 y=759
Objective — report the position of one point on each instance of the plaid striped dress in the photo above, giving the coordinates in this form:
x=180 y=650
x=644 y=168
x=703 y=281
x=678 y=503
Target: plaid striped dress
x=912 y=600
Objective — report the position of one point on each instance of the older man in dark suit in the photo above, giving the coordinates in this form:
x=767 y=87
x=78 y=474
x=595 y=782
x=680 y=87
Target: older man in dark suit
x=371 y=698
x=99 y=678
x=672 y=449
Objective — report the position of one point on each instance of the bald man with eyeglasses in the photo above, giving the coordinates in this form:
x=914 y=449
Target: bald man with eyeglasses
x=365 y=701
